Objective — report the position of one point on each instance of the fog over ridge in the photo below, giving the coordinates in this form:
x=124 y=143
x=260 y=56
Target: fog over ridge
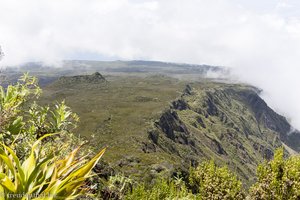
x=260 y=41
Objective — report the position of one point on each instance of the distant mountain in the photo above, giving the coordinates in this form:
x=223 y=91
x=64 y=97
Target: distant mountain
x=87 y=79
x=79 y=67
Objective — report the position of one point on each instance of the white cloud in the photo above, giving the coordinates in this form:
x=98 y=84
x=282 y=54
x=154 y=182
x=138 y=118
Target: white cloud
x=260 y=40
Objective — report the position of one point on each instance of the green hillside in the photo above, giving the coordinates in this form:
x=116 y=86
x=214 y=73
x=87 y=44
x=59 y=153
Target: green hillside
x=229 y=123
x=156 y=125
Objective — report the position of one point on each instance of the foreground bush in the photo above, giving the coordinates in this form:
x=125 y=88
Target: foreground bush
x=278 y=179
x=162 y=189
x=211 y=182
x=12 y=112
x=47 y=169
x=23 y=121
x=116 y=187
x=207 y=181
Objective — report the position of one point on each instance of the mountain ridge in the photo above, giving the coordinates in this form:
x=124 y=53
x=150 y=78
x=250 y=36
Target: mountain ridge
x=209 y=126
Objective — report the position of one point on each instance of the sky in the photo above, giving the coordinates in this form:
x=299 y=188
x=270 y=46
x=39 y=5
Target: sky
x=258 y=39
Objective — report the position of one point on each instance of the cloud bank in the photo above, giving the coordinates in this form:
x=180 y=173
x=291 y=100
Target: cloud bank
x=260 y=40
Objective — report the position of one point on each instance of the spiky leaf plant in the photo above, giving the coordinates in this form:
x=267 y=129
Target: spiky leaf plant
x=42 y=176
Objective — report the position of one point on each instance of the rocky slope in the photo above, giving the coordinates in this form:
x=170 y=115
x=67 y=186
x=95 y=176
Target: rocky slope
x=228 y=123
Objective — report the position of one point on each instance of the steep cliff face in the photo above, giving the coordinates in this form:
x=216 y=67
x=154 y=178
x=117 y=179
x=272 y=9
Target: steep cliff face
x=266 y=117
x=228 y=123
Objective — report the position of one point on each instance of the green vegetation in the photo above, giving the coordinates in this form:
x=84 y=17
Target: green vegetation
x=212 y=182
x=150 y=140
x=228 y=123
x=157 y=125
x=162 y=189
x=116 y=187
x=12 y=99
x=278 y=179
x=207 y=181
x=30 y=163
x=42 y=176
x=22 y=118
x=118 y=114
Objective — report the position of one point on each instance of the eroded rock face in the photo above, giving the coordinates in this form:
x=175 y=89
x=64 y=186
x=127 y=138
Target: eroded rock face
x=148 y=147
x=265 y=116
x=187 y=90
x=223 y=122
x=211 y=106
x=217 y=146
x=173 y=127
x=180 y=104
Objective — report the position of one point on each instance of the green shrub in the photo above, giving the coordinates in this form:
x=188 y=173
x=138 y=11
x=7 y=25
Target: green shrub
x=22 y=120
x=12 y=100
x=211 y=182
x=278 y=179
x=162 y=189
x=46 y=169
x=207 y=181
x=116 y=187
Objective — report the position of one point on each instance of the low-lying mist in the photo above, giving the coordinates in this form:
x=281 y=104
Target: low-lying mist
x=260 y=41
